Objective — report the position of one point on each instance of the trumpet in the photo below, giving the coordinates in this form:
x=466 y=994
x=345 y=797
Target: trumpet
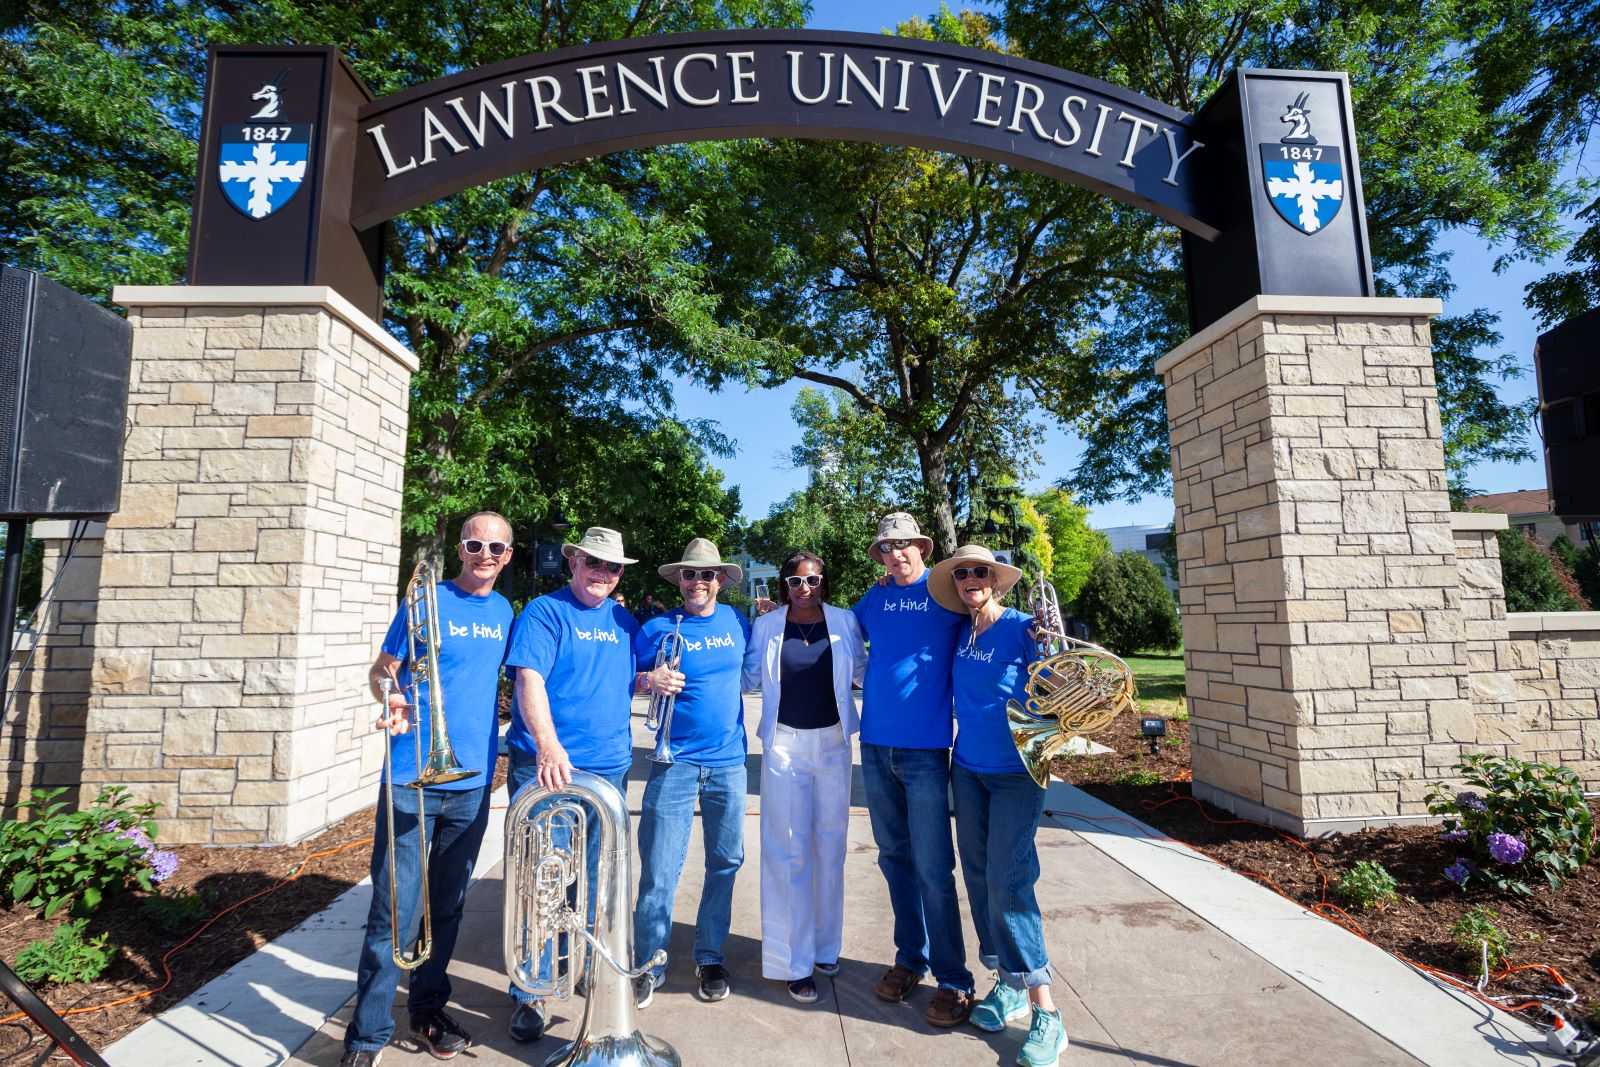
x=439 y=766
x=1074 y=689
x=659 y=715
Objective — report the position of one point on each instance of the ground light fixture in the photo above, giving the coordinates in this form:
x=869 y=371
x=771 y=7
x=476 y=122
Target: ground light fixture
x=1154 y=729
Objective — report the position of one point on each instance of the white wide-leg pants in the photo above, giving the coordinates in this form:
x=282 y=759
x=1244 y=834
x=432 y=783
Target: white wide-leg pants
x=805 y=819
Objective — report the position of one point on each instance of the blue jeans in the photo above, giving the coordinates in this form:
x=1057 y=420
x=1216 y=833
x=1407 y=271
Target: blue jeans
x=455 y=821
x=522 y=774
x=908 y=798
x=997 y=816
x=664 y=824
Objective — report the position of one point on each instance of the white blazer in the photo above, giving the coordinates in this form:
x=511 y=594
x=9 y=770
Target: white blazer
x=763 y=661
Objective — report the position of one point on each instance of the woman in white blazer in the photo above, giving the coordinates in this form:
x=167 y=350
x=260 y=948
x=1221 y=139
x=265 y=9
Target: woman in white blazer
x=805 y=657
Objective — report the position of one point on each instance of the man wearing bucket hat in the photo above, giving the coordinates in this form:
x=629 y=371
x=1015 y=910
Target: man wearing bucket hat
x=573 y=651
x=906 y=730
x=998 y=805
x=700 y=759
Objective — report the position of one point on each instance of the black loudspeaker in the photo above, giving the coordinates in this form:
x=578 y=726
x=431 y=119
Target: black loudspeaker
x=1567 y=362
x=63 y=400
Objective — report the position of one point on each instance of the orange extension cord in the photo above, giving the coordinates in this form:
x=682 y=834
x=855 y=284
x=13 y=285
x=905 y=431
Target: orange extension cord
x=1332 y=912
x=166 y=957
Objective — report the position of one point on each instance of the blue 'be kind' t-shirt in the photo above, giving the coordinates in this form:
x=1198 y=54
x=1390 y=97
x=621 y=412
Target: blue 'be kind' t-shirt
x=585 y=656
x=905 y=702
x=987 y=673
x=473 y=632
x=708 y=716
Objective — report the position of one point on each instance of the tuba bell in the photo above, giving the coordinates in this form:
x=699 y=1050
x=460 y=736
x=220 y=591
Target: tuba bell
x=548 y=943
x=1074 y=689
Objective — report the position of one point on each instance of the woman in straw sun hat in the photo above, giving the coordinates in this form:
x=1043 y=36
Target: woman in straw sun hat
x=997 y=803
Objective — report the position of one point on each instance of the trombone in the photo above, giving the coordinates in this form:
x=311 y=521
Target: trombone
x=439 y=766
x=659 y=716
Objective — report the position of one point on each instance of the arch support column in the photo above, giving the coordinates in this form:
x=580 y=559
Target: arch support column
x=1325 y=649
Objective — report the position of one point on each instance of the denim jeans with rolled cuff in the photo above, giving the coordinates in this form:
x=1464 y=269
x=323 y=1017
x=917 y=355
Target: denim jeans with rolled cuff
x=997 y=816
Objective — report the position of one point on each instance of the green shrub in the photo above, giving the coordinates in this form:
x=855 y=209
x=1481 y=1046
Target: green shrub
x=1524 y=820
x=1366 y=885
x=65 y=958
x=1476 y=929
x=1138 y=778
x=62 y=857
x=175 y=912
x=1127 y=605
x=1584 y=565
x=1532 y=578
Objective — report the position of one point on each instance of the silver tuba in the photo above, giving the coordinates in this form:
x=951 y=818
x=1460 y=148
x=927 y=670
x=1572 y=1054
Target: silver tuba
x=546 y=907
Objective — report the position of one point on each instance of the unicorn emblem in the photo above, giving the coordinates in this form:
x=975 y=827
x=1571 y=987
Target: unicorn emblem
x=269 y=110
x=1298 y=115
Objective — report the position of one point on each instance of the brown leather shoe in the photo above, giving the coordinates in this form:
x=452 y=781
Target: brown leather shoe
x=896 y=984
x=949 y=1007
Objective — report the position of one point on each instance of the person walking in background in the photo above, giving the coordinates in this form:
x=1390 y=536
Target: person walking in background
x=906 y=730
x=473 y=629
x=804 y=657
x=704 y=748
x=998 y=805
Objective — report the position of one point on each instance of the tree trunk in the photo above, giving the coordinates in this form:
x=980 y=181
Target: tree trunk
x=936 y=488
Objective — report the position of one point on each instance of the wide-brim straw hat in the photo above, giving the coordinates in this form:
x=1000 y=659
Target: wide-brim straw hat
x=899 y=526
x=942 y=580
x=601 y=543
x=700 y=553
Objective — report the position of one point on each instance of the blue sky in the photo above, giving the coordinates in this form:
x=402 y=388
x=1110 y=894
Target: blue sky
x=759 y=419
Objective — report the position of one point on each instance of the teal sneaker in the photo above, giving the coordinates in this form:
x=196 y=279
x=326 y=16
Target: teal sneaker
x=1047 y=1039
x=1003 y=1004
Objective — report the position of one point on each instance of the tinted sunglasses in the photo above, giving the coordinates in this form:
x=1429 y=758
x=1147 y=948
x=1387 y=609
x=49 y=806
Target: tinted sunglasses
x=962 y=573
x=797 y=580
x=600 y=564
x=475 y=546
x=687 y=575
x=897 y=543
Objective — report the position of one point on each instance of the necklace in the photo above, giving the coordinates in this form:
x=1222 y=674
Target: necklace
x=806 y=630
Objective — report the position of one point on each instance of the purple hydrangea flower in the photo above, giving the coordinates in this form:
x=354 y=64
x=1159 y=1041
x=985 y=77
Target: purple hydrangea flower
x=1456 y=836
x=1470 y=802
x=1506 y=848
x=1459 y=871
x=137 y=835
x=163 y=863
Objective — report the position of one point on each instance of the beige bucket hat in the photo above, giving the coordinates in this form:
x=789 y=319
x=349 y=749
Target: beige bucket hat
x=942 y=581
x=601 y=543
x=899 y=526
x=701 y=553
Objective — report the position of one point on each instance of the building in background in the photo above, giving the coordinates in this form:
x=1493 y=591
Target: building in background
x=1528 y=510
x=757 y=576
x=1150 y=542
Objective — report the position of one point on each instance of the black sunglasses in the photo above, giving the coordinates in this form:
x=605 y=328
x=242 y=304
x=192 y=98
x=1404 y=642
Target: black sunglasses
x=475 y=546
x=961 y=573
x=900 y=543
x=797 y=580
x=685 y=574
x=601 y=564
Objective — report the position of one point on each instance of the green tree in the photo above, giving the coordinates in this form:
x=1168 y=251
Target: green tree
x=1531 y=578
x=1127 y=606
x=1076 y=546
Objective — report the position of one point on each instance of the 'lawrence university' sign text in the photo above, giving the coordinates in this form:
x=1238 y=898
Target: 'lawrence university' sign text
x=558 y=107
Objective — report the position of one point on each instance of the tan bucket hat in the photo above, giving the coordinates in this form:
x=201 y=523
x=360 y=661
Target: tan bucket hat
x=701 y=553
x=942 y=581
x=601 y=543
x=899 y=526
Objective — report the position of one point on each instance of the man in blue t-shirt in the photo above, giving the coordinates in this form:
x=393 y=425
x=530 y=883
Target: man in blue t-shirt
x=699 y=758
x=906 y=730
x=573 y=651
x=472 y=629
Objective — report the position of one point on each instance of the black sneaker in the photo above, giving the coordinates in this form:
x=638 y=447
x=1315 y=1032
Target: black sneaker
x=827 y=969
x=527 y=1021
x=360 y=1058
x=440 y=1035
x=644 y=989
x=804 y=990
x=713 y=981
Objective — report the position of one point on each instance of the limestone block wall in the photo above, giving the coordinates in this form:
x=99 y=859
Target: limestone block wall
x=1553 y=661
x=251 y=572
x=1326 y=655
x=43 y=729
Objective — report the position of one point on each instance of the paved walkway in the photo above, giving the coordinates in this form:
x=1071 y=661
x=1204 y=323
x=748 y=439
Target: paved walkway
x=1162 y=957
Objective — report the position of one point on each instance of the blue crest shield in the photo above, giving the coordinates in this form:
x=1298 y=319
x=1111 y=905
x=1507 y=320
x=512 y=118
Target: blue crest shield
x=262 y=165
x=1305 y=184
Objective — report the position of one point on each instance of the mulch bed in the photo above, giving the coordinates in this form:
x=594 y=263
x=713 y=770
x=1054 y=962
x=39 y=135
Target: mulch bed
x=1559 y=929
x=223 y=876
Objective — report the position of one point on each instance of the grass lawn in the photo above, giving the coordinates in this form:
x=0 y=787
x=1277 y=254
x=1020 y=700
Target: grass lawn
x=1160 y=679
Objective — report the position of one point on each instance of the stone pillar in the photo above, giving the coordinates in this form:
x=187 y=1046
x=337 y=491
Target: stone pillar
x=43 y=728
x=1326 y=657
x=1492 y=658
x=253 y=567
